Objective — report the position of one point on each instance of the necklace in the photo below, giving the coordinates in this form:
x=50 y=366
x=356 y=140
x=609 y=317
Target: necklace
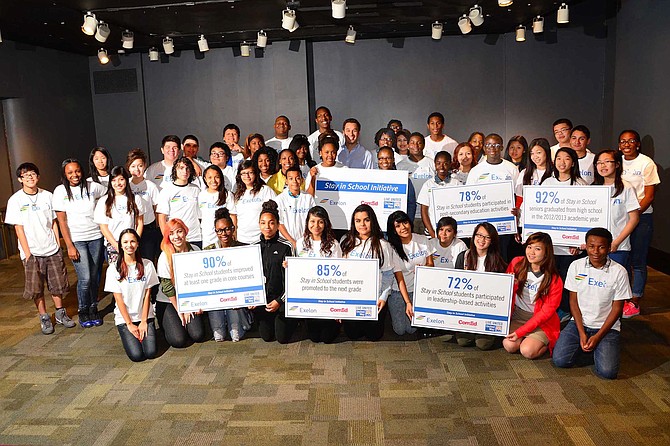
x=33 y=202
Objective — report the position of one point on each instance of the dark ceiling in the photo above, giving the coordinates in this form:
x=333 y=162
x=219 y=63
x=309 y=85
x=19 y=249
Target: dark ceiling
x=57 y=24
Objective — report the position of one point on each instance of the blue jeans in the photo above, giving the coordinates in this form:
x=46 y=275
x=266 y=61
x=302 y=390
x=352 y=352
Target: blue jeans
x=227 y=320
x=139 y=351
x=621 y=257
x=640 y=239
x=89 y=270
x=399 y=320
x=605 y=357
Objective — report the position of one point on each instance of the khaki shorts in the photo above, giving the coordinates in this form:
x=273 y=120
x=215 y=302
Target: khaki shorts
x=519 y=318
x=50 y=269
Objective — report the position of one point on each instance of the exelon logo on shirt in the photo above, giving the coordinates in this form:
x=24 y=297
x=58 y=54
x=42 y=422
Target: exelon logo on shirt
x=580 y=277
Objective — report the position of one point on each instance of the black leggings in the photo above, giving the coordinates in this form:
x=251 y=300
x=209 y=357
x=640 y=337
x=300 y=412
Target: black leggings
x=176 y=334
x=322 y=330
x=275 y=326
x=372 y=330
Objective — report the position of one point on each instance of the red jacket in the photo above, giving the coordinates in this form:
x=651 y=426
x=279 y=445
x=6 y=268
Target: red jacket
x=544 y=314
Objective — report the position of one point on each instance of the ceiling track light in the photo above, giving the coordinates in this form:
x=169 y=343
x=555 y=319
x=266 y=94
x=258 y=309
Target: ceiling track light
x=261 y=39
x=168 y=45
x=203 y=46
x=521 y=33
x=288 y=20
x=127 y=39
x=476 y=15
x=563 y=14
x=102 y=33
x=436 y=31
x=351 y=35
x=503 y=3
x=90 y=24
x=339 y=8
x=102 y=56
x=245 y=50
x=538 y=25
x=464 y=24
x=153 y=54
x=0 y=36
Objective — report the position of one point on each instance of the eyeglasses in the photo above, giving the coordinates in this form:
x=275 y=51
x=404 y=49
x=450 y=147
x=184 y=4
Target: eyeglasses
x=246 y=174
x=623 y=142
x=602 y=163
x=217 y=154
x=563 y=130
x=482 y=236
x=492 y=146
x=226 y=229
x=384 y=158
x=385 y=138
x=29 y=175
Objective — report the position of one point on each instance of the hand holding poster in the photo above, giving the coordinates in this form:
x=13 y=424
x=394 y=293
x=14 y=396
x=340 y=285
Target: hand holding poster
x=218 y=279
x=470 y=301
x=339 y=191
x=332 y=288
x=566 y=213
x=474 y=204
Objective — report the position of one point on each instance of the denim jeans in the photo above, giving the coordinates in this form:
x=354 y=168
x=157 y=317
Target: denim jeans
x=399 y=320
x=89 y=270
x=621 y=257
x=139 y=351
x=176 y=334
x=605 y=357
x=227 y=320
x=639 y=241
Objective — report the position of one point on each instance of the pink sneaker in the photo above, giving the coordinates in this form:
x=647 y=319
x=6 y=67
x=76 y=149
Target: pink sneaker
x=630 y=310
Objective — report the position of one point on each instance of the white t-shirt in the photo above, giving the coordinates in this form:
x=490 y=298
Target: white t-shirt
x=314 y=144
x=425 y=197
x=535 y=180
x=529 y=293
x=417 y=251
x=132 y=289
x=159 y=172
x=624 y=203
x=236 y=160
x=431 y=147
x=596 y=290
x=279 y=144
x=164 y=273
x=35 y=213
x=562 y=250
x=102 y=181
x=641 y=172
x=79 y=210
x=586 y=168
x=363 y=250
x=293 y=212
x=484 y=172
x=228 y=179
x=419 y=173
x=208 y=207
x=182 y=202
x=323 y=171
x=249 y=211
x=120 y=218
x=446 y=257
x=148 y=191
x=315 y=250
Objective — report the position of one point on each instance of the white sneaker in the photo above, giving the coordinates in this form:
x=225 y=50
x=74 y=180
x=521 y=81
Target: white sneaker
x=219 y=336
x=235 y=335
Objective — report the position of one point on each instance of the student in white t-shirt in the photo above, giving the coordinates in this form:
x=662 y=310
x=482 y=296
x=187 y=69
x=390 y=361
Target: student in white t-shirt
x=463 y=161
x=159 y=172
x=293 y=206
x=250 y=194
x=31 y=212
x=300 y=146
x=219 y=154
x=136 y=162
x=323 y=119
x=446 y=245
x=213 y=198
x=562 y=128
x=262 y=159
x=99 y=165
x=580 y=138
x=442 y=178
x=539 y=168
x=130 y=280
x=412 y=250
x=281 y=140
x=436 y=141
x=120 y=209
x=74 y=203
x=598 y=288
x=231 y=136
x=179 y=199
x=420 y=168
x=328 y=147
x=476 y=140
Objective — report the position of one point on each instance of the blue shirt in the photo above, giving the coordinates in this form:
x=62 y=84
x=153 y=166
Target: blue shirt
x=356 y=158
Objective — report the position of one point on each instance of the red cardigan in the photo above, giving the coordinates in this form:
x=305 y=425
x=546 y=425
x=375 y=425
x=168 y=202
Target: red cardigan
x=544 y=314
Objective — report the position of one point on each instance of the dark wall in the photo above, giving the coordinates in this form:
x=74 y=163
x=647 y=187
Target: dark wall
x=49 y=116
x=641 y=96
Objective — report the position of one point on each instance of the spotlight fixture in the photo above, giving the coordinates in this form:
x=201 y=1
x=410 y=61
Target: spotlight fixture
x=261 y=39
x=102 y=56
x=521 y=33
x=0 y=36
x=168 y=45
x=476 y=15
x=563 y=15
x=127 y=39
x=351 y=35
x=102 y=33
x=538 y=25
x=464 y=24
x=90 y=24
x=288 y=21
x=153 y=54
x=202 y=44
x=503 y=3
x=339 y=8
x=244 y=49
x=436 y=32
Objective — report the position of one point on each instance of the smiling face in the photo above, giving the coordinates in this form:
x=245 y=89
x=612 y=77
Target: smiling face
x=248 y=176
x=129 y=244
x=254 y=145
x=178 y=239
x=29 y=180
x=597 y=249
x=363 y=225
x=536 y=253
x=218 y=157
x=316 y=226
x=137 y=168
x=264 y=165
x=402 y=143
x=286 y=160
x=563 y=162
x=294 y=181
x=482 y=240
x=385 y=159
x=119 y=185
x=328 y=155
x=224 y=231
x=190 y=147
x=446 y=235
x=301 y=153
x=281 y=128
x=493 y=149
x=442 y=165
x=269 y=226
x=231 y=137
x=212 y=180
x=170 y=151
x=435 y=126
x=562 y=134
x=73 y=174
x=404 y=230
x=539 y=157
x=606 y=166
x=416 y=145
x=477 y=141
x=579 y=141
x=629 y=145
x=323 y=119
x=351 y=133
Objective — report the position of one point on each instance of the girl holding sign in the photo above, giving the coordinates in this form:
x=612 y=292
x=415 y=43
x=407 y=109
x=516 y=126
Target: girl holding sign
x=131 y=279
x=319 y=242
x=365 y=240
x=181 y=329
x=534 y=326
x=483 y=255
x=216 y=196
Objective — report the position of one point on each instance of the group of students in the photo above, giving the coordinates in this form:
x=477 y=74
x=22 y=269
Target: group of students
x=137 y=216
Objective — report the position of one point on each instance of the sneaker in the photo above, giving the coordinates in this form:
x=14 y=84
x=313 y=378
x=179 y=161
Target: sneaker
x=84 y=320
x=235 y=335
x=63 y=319
x=219 y=336
x=630 y=310
x=45 y=324
x=94 y=316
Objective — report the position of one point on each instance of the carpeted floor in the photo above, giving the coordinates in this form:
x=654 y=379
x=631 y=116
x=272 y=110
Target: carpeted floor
x=78 y=387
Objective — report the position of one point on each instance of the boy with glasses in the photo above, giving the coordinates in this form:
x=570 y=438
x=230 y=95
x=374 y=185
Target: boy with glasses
x=562 y=128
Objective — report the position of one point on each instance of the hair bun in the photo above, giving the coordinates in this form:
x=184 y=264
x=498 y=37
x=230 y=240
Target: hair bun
x=270 y=206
